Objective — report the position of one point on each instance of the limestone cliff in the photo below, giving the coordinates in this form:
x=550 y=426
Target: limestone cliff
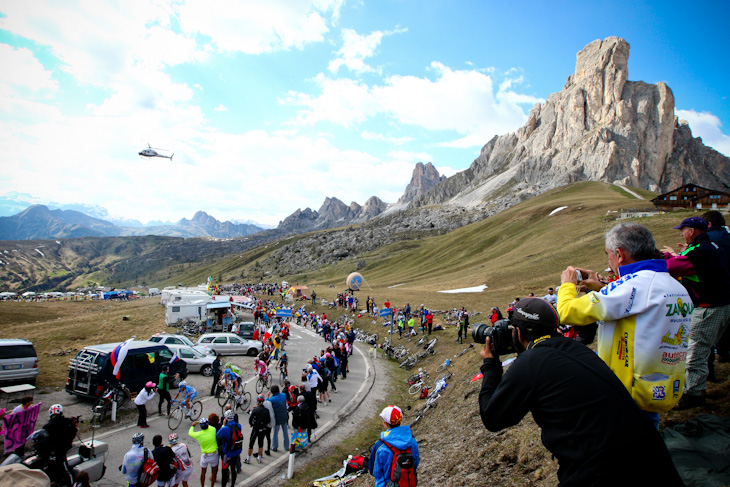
x=600 y=127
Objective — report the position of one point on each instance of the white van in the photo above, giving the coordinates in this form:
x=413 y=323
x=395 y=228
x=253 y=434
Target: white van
x=18 y=361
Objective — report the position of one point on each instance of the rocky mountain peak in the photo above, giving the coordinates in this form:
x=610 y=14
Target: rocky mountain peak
x=599 y=127
x=425 y=177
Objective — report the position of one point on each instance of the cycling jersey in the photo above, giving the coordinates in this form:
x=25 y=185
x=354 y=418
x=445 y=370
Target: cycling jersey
x=190 y=393
x=260 y=367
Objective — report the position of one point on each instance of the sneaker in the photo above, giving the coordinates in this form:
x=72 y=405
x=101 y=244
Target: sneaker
x=268 y=453
x=274 y=449
x=247 y=461
x=258 y=459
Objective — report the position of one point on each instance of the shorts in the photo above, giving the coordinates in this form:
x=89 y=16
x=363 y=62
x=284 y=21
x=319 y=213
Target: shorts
x=322 y=387
x=191 y=397
x=184 y=475
x=209 y=459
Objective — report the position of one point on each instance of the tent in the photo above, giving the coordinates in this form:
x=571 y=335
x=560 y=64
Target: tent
x=298 y=291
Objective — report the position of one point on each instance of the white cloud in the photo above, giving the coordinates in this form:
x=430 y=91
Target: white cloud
x=221 y=108
x=256 y=27
x=22 y=73
x=463 y=101
x=709 y=127
x=368 y=135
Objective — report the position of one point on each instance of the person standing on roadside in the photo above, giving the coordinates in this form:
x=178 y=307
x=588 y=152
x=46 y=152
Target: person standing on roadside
x=208 y=448
x=133 y=460
x=703 y=270
x=163 y=389
x=231 y=440
x=145 y=395
x=259 y=420
x=281 y=417
x=217 y=371
x=164 y=458
x=429 y=321
x=182 y=452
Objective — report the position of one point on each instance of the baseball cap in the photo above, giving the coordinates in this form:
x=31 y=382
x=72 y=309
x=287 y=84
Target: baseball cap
x=693 y=222
x=392 y=415
x=535 y=313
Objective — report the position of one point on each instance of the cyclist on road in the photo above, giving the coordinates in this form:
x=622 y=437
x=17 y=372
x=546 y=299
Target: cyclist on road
x=190 y=394
x=230 y=376
x=284 y=364
x=260 y=367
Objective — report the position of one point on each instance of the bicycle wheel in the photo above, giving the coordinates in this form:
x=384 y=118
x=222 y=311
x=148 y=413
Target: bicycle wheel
x=121 y=396
x=196 y=410
x=444 y=376
x=222 y=397
x=441 y=368
x=245 y=402
x=268 y=381
x=282 y=378
x=176 y=416
x=259 y=385
x=415 y=388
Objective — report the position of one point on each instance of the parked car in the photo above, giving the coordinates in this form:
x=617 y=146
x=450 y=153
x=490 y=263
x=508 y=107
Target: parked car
x=18 y=361
x=170 y=339
x=92 y=370
x=244 y=329
x=197 y=361
x=230 y=344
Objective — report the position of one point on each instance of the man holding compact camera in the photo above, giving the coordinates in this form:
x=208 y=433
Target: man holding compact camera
x=646 y=317
x=589 y=421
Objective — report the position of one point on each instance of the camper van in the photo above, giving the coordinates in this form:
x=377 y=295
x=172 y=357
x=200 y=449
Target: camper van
x=181 y=310
x=92 y=369
x=176 y=295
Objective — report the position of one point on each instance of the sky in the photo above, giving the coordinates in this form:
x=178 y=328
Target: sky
x=273 y=105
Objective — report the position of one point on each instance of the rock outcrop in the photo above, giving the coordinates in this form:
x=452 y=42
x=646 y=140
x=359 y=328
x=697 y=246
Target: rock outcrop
x=600 y=127
x=423 y=179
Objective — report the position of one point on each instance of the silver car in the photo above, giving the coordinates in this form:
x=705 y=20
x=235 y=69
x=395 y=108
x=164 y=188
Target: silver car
x=197 y=361
x=18 y=361
x=230 y=344
x=170 y=339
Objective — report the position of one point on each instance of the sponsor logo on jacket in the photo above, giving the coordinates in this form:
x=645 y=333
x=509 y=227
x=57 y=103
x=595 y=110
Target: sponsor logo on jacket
x=679 y=308
x=623 y=349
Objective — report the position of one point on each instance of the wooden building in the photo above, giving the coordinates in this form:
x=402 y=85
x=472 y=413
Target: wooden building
x=693 y=197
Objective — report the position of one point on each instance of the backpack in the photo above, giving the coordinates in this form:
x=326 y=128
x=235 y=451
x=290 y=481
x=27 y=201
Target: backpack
x=402 y=468
x=148 y=472
x=424 y=393
x=236 y=439
x=356 y=463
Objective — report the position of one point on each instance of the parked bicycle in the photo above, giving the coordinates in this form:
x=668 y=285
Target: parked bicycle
x=117 y=393
x=418 y=386
x=430 y=403
x=181 y=411
x=445 y=365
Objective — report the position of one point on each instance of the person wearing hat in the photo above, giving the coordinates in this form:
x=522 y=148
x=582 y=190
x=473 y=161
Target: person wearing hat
x=645 y=315
x=259 y=420
x=61 y=433
x=208 y=449
x=589 y=421
x=719 y=234
x=231 y=449
x=395 y=436
x=147 y=393
x=182 y=452
x=703 y=269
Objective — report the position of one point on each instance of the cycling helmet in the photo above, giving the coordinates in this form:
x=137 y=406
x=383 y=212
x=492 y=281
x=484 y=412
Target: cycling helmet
x=150 y=385
x=229 y=414
x=172 y=438
x=283 y=354
x=39 y=435
x=55 y=409
x=183 y=385
x=203 y=423
x=227 y=372
x=137 y=439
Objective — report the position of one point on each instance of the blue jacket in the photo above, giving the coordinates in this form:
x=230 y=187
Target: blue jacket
x=381 y=457
x=226 y=435
x=281 y=413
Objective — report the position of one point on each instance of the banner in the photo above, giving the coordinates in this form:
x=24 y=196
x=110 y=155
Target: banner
x=283 y=312
x=386 y=312
x=18 y=427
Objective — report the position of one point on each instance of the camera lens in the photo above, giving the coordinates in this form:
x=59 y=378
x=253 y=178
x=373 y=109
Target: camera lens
x=500 y=335
x=480 y=332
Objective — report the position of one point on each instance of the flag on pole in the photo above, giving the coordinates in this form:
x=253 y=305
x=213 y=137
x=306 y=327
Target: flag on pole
x=174 y=358
x=268 y=334
x=118 y=355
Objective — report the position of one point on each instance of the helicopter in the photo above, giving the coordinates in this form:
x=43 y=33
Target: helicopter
x=150 y=152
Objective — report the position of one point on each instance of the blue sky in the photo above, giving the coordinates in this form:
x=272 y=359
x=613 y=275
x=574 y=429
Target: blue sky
x=270 y=106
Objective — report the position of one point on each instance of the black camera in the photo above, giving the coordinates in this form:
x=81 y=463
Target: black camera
x=500 y=334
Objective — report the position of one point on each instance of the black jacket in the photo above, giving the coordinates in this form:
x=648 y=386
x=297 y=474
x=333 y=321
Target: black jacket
x=589 y=421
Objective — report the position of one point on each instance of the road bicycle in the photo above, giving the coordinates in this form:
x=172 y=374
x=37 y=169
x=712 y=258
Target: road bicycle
x=228 y=396
x=430 y=403
x=409 y=362
x=263 y=382
x=418 y=386
x=443 y=378
x=445 y=365
x=114 y=393
x=282 y=374
x=181 y=410
x=416 y=377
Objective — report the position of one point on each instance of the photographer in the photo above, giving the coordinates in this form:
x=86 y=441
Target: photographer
x=589 y=421
x=645 y=313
